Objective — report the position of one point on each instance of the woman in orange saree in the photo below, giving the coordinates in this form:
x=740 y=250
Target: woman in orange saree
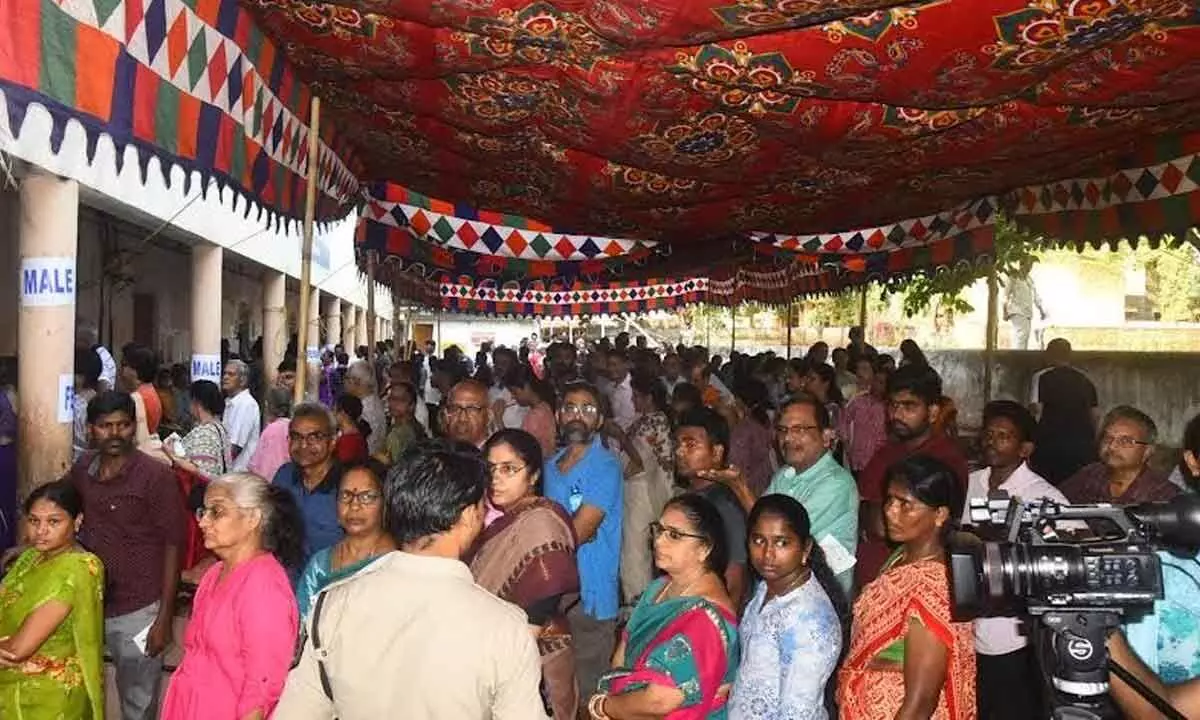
x=907 y=657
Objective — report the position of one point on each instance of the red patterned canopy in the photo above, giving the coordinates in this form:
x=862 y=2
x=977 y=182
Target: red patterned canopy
x=686 y=122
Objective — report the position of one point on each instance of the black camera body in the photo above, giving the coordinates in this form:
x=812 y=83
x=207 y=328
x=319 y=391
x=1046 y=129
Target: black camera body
x=1034 y=567
x=1076 y=569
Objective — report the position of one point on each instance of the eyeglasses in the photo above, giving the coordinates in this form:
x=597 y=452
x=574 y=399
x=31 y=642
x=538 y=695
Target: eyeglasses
x=786 y=430
x=657 y=529
x=1124 y=442
x=460 y=410
x=583 y=411
x=313 y=438
x=363 y=498
x=505 y=470
x=212 y=512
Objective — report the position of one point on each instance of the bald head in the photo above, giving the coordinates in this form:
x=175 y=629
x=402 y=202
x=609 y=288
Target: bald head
x=469 y=391
x=466 y=413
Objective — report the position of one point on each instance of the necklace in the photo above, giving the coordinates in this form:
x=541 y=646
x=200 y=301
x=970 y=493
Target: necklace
x=905 y=560
x=666 y=590
x=795 y=583
x=344 y=553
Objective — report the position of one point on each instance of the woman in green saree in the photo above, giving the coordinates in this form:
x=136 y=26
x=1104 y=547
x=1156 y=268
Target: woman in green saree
x=678 y=656
x=51 y=617
x=360 y=513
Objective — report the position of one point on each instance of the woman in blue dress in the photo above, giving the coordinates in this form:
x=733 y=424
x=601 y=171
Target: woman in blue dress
x=792 y=629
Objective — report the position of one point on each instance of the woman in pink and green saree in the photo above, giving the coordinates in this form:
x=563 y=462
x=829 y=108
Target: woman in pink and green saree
x=678 y=655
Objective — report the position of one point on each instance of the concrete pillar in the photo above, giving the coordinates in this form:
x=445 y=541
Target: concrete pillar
x=48 y=242
x=206 y=324
x=360 y=327
x=313 y=351
x=333 y=320
x=275 y=326
x=348 y=327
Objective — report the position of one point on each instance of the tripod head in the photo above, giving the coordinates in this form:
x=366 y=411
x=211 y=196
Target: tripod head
x=1073 y=652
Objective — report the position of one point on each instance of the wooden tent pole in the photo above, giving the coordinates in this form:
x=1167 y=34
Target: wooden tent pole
x=791 y=305
x=371 y=317
x=989 y=348
x=310 y=211
x=862 y=310
x=732 y=328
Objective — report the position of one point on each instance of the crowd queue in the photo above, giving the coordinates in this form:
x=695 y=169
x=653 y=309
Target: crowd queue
x=617 y=534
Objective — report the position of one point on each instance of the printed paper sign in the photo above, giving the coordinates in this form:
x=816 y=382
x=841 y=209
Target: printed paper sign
x=314 y=354
x=66 y=398
x=206 y=367
x=47 y=281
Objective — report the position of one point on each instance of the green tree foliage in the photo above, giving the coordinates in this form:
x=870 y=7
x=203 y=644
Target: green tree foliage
x=944 y=290
x=1172 y=281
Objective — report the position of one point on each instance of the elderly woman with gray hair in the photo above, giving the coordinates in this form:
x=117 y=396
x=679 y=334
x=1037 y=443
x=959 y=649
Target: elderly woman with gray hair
x=360 y=382
x=244 y=622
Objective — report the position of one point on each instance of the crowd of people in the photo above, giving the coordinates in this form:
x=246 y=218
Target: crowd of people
x=622 y=532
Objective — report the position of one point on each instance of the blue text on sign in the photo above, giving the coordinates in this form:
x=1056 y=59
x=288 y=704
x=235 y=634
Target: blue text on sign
x=49 y=281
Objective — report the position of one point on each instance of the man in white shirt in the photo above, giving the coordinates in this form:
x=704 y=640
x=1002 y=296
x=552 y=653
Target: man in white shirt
x=88 y=338
x=672 y=372
x=1020 y=298
x=411 y=635
x=511 y=414
x=242 y=419
x=620 y=391
x=1008 y=675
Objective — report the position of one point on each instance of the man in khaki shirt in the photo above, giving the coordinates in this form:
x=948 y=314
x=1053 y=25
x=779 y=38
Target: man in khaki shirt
x=412 y=636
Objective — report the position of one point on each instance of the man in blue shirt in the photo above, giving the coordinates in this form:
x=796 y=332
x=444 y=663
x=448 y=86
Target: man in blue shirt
x=585 y=478
x=313 y=475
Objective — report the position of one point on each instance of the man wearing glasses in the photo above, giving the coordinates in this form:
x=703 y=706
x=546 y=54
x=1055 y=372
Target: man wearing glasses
x=465 y=414
x=812 y=477
x=1123 y=475
x=585 y=478
x=313 y=475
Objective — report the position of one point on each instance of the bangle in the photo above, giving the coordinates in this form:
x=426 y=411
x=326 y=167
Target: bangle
x=596 y=707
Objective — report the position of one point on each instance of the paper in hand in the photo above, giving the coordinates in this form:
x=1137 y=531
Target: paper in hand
x=836 y=556
x=139 y=640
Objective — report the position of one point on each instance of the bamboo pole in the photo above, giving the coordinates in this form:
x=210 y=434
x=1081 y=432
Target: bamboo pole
x=310 y=211
x=732 y=328
x=371 y=318
x=862 y=310
x=790 y=307
x=989 y=348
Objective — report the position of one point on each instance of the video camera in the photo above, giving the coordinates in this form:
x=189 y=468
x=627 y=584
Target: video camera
x=1076 y=569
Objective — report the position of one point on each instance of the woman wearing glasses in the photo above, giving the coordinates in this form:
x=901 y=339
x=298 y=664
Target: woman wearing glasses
x=360 y=515
x=243 y=628
x=678 y=655
x=527 y=557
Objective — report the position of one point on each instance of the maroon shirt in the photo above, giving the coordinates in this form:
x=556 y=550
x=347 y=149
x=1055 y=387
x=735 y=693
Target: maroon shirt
x=128 y=522
x=1090 y=485
x=872 y=554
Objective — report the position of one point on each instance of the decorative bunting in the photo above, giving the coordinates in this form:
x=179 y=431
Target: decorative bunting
x=195 y=85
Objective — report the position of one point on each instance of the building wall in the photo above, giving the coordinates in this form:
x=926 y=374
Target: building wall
x=1164 y=385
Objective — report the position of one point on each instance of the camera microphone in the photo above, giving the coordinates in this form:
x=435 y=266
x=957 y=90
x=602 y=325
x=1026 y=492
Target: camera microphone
x=1173 y=522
